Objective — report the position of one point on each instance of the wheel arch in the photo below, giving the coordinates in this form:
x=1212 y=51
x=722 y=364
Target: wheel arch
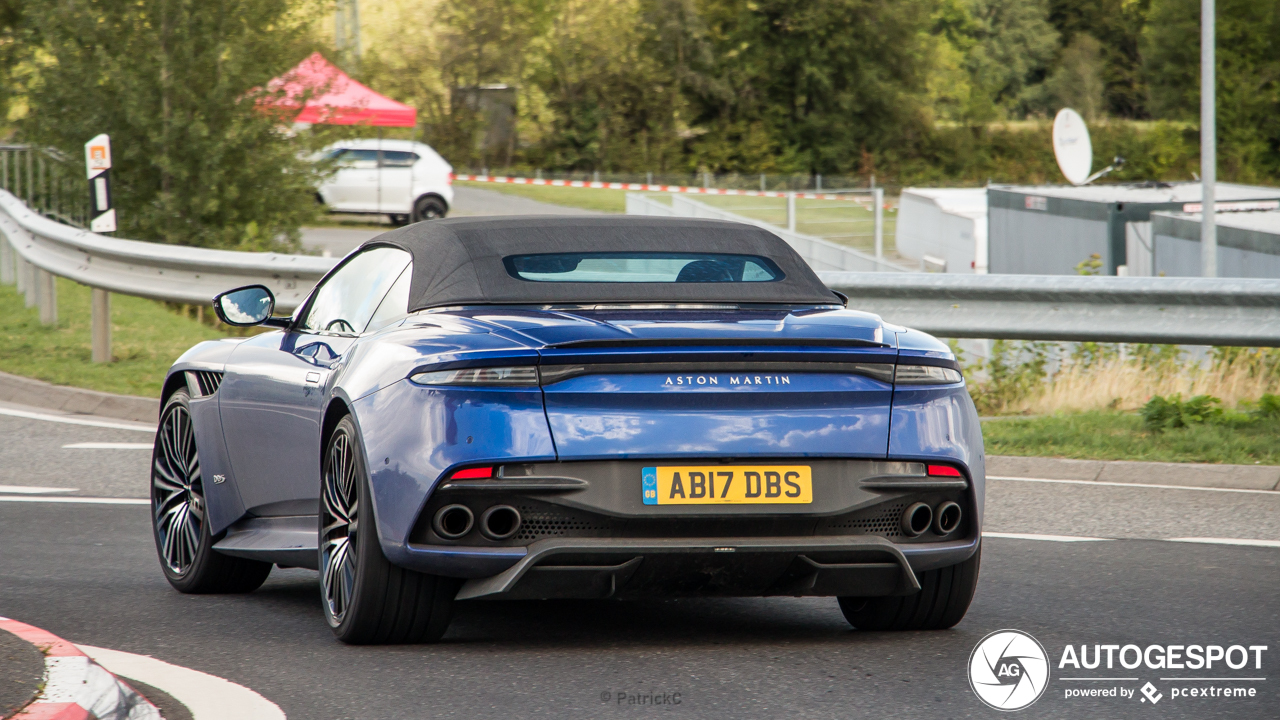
x=177 y=380
x=333 y=414
x=432 y=194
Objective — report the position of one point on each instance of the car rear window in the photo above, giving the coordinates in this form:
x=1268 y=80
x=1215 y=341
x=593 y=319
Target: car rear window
x=641 y=267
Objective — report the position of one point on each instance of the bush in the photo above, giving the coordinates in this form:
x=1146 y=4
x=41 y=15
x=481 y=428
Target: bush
x=1161 y=413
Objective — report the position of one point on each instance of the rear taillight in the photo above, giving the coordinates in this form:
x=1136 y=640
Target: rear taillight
x=474 y=473
x=526 y=376
x=925 y=375
x=944 y=471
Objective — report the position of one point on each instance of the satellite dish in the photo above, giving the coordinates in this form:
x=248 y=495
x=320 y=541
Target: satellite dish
x=1071 y=146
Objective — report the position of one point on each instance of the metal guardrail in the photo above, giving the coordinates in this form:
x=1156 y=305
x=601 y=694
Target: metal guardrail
x=1172 y=310
x=1190 y=311
x=820 y=254
x=34 y=249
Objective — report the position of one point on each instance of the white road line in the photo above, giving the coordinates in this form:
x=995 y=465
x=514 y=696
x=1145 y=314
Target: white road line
x=80 y=500
x=208 y=697
x=32 y=490
x=1134 y=485
x=1228 y=541
x=1050 y=538
x=73 y=420
x=107 y=446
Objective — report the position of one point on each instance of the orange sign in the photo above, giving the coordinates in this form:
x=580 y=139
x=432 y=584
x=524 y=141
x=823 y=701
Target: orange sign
x=97 y=156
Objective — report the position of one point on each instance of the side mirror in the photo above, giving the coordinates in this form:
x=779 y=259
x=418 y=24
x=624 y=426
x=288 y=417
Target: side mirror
x=246 y=306
x=844 y=299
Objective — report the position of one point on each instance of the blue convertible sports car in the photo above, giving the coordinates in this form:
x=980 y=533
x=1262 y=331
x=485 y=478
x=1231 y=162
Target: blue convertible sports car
x=571 y=408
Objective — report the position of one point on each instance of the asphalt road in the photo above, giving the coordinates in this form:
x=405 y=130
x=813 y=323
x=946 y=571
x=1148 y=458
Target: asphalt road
x=88 y=573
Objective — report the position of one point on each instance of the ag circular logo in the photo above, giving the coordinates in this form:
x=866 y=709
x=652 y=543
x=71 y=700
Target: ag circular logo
x=1009 y=670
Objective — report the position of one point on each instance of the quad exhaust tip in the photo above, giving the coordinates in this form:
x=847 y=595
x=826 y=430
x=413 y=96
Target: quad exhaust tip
x=453 y=521
x=946 y=518
x=499 y=522
x=916 y=519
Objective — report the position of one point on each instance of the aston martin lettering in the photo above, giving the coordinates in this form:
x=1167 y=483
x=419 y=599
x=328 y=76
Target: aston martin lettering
x=728 y=380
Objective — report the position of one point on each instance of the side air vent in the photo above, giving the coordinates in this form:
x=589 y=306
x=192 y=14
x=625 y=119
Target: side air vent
x=203 y=383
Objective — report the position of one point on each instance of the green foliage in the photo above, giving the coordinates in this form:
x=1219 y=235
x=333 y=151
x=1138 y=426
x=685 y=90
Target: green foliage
x=1123 y=436
x=1001 y=49
x=1248 y=77
x=1014 y=370
x=176 y=85
x=1117 y=27
x=1090 y=266
x=147 y=337
x=1162 y=413
x=1268 y=407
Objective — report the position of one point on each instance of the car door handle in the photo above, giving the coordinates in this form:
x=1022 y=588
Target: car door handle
x=313 y=378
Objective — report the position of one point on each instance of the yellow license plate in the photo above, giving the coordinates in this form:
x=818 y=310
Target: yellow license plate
x=727 y=485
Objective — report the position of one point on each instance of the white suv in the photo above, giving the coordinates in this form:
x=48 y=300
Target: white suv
x=404 y=180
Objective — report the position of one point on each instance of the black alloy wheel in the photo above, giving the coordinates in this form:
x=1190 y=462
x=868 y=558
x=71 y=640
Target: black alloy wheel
x=339 y=528
x=178 y=513
x=366 y=599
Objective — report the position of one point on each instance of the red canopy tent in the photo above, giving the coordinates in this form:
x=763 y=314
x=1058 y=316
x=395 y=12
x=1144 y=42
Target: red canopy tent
x=337 y=99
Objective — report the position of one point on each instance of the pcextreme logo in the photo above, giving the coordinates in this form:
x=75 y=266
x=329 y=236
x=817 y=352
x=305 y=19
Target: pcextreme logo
x=1009 y=670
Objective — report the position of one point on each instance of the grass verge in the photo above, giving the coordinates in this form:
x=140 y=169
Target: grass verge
x=146 y=338
x=1101 y=435
x=610 y=201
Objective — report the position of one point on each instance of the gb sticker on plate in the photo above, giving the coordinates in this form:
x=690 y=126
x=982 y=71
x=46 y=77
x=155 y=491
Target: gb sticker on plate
x=649 y=485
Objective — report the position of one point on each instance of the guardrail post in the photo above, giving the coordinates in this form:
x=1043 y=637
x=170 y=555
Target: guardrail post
x=47 y=296
x=29 y=284
x=100 y=323
x=791 y=212
x=877 y=197
x=7 y=274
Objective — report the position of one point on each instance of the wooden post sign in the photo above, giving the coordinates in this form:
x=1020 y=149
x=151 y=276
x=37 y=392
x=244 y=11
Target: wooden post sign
x=97 y=163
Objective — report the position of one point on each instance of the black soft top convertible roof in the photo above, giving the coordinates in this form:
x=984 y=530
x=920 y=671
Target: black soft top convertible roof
x=459 y=261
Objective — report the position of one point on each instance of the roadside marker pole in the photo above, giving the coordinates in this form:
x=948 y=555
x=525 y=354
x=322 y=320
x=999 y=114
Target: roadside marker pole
x=97 y=162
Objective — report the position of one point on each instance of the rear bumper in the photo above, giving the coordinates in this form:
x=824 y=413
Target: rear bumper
x=865 y=566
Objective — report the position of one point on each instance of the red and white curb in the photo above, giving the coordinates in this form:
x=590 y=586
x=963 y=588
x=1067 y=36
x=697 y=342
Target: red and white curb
x=75 y=687
x=679 y=189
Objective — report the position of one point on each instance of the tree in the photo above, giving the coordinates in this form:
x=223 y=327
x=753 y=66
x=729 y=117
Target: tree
x=176 y=85
x=1077 y=81
x=1117 y=25
x=1248 y=78
x=993 y=54
x=817 y=83
x=14 y=49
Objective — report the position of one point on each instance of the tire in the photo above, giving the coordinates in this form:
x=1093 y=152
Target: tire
x=366 y=599
x=429 y=208
x=943 y=600
x=398 y=220
x=183 y=543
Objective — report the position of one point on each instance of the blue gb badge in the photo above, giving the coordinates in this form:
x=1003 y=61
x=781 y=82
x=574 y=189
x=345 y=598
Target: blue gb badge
x=649 y=485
